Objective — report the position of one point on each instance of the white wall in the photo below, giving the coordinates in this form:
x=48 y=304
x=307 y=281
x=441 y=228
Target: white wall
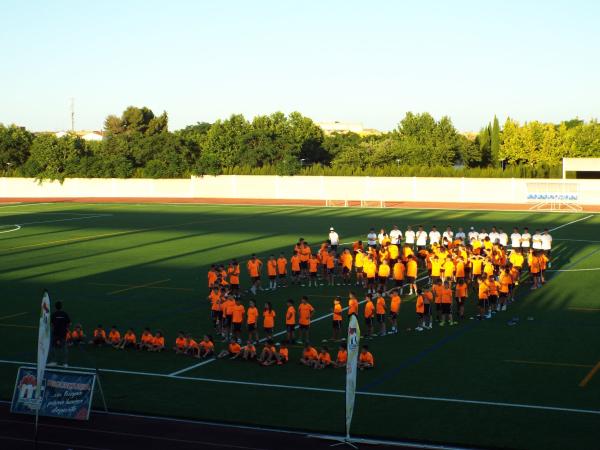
x=469 y=190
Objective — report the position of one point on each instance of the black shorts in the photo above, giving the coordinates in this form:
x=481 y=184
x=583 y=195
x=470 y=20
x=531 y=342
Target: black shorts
x=446 y=308
x=228 y=320
x=216 y=315
x=460 y=300
x=268 y=330
x=383 y=280
x=290 y=328
x=503 y=295
x=410 y=280
x=493 y=298
x=295 y=272
x=237 y=326
x=435 y=279
x=251 y=326
x=303 y=265
x=369 y=320
x=359 y=270
x=282 y=275
x=380 y=318
x=394 y=315
x=345 y=270
x=313 y=274
x=337 y=324
x=255 y=279
x=399 y=283
x=330 y=270
x=272 y=277
x=371 y=280
x=427 y=308
x=304 y=327
x=481 y=302
x=235 y=286
x=420 y=315
x=460 y=279
x=333 y=247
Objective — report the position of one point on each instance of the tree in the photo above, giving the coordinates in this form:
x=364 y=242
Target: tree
x=55 y=157
x=495 y=143
x=14 y=147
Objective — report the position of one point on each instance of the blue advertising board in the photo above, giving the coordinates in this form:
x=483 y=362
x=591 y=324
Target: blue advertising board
x=65 y=394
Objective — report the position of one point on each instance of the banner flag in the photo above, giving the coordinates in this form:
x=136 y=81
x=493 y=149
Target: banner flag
x=43 y=343
x=351 y=369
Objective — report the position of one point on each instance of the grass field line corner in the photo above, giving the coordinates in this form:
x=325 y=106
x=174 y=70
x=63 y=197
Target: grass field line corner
x=570 y=223
x=279 y=333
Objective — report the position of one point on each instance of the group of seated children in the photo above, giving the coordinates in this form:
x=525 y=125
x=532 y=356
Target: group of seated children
x=268 y=356
x=185 y=344
x=148 y=341
x=322 y=359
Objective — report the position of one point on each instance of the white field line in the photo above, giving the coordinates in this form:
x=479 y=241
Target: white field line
x=333 y=391
x=574 y=270
x=578 y=240
x=15 y=228
x=280 y=333
x=570 y=223
x=91 y=216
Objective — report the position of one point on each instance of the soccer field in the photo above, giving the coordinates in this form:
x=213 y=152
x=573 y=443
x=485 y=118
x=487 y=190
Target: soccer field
x=532 y=385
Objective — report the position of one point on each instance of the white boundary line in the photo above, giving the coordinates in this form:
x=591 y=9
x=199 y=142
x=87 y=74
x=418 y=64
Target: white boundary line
x=578 y=240
x=570 y=223
x=17 y=228
x=574 y=270
x=334 y=391
x=91 y=216
x=280 y=333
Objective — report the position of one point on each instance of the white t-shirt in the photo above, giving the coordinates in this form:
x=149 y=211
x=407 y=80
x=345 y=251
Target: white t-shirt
x=473 y=236
x=461 y=235
x=371 y=239
x=421 y=238
x=334 y=238
x=526 y=240
x=447 y=236
x=494 y=236
x=515 y=240
x=546 y=242
x=380 y=237
x=434 y=237
x=503 y=238
x=410 y=236
x=396 y=236
x=537 y=241
x=482 y=236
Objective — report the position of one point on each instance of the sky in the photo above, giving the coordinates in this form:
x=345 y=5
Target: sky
x=355 y=61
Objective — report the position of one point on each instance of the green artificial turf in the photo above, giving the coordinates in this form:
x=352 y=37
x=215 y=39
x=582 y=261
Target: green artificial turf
x=145 y=265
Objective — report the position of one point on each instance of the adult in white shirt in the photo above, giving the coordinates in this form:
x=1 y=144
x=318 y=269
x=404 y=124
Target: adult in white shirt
x=483 y=234
x=447 y=236
x=409 y=236
x=494 y=235
x=546 y=241
x=334 y=239
x=395 y=235
x=434 y=236
x=421 y=238
x=536 y=240
x=525 y=239
x=515 y=238
x=381 y=236
x=460 y=234
x=502 y=238
x=473 y=234
x=372 y=238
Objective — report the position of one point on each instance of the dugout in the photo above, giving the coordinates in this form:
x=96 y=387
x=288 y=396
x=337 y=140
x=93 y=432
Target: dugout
x=581 y=168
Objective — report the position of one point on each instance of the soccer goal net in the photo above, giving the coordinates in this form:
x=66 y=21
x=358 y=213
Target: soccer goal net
x=553 y=196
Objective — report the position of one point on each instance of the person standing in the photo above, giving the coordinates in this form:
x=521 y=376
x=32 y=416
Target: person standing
x=334 y=239
x=409 y=237
x=396 y=235
x=60 y=323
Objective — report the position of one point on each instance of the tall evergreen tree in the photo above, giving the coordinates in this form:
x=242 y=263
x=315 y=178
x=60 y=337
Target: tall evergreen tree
x=495 y=142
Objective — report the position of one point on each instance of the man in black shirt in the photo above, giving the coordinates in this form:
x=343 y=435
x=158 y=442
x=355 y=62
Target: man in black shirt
x=60 y=322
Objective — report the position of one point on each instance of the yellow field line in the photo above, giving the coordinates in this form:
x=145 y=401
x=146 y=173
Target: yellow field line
x=17 y=326
x=590 y=375
x=130 y=288
x=547 y=363
x=585 y=309
x=149 y=287
x=13 y=315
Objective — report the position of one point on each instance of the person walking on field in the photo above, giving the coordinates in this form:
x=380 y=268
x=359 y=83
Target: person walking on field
x=60 y=323
x=334 y=239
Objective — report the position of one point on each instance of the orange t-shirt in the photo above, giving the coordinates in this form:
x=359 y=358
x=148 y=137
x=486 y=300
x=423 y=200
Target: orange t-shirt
x=380 y=307
x=180 y=343
x=304 y=312
x=158 y=341
x=461 y=290
x=395 y=303
x=254 y=267
x=310 y=353
x=337 y=311
x=367 y=357
x=271 y=268
x=268 y=319
x=281 y=265
x=252 y=315
x=342 y=357
x=446 y=295
x=411 y=268
x=352 y=306
x=313 y=265
x=234 y=348
x=238 y=313
x=290 y=316
x=369 y=309
x=325 y=358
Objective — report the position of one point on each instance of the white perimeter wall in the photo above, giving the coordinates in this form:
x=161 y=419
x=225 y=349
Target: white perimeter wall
x=470 y=190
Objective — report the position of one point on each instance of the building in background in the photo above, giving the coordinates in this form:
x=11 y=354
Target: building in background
x=86 y=135
x=346 y=127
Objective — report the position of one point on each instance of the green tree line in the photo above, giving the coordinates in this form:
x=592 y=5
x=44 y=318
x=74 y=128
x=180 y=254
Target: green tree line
x=138 y=143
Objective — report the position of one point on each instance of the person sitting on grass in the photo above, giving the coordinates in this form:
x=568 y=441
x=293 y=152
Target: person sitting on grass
x=365 y=359
x=309 y=355
x=114 y=336
x=129 y=340
x=268 y=354
x=283 y=355
x=146 y=340
x=158 y=343
x=192 y=347
x=342 y=356
x=99 y=336
x=180 y=344
x=77 y=335
x=233 y=350
x=207 y=347
x=249 y=351
x=323 y=360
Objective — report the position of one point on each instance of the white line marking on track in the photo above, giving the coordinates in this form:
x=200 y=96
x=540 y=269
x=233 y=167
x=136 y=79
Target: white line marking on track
x=280 y=333
x=570 y=223
x=334 y=391
x=15 y=228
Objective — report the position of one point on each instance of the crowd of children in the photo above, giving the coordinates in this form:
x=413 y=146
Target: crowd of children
x=451 y=265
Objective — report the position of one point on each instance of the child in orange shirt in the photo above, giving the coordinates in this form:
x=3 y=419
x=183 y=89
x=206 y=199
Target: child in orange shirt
x=180 y=343
x=158 y=343
x=323 y=360
x=207 y=347
x=233 y=350
x=342 y=357
x=146 y=340
x=249 y=351
x=129 y=340
x=99 y=336
x=114 y=337
x=365 y=359
x=309 y=355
